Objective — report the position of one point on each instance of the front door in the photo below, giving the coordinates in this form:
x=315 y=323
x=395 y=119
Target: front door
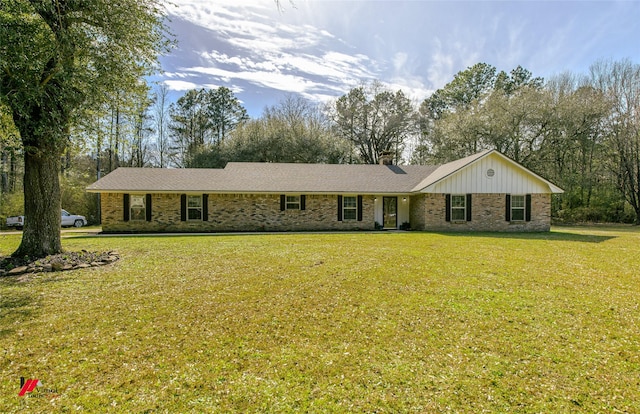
x=390 y=212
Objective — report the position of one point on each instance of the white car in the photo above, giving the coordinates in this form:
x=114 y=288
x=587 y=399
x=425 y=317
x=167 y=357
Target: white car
x=68 y=220
x=74 y=220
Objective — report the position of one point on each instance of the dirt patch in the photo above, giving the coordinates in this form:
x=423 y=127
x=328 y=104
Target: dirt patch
x=11 y=266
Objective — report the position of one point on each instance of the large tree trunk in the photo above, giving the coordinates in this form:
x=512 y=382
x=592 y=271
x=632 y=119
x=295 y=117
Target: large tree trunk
x=41 y=236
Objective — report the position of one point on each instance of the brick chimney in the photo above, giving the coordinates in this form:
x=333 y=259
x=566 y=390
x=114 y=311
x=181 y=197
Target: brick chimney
x=386 y=158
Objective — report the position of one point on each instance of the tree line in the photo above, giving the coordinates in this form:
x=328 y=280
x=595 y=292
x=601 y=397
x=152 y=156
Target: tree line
x=581 y=131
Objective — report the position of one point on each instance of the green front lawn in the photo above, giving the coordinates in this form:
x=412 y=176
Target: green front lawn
x=360 y=322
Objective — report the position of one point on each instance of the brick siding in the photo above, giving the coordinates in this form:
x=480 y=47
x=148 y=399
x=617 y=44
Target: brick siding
x=488 y=214
x=236 y=212
x=254 y=212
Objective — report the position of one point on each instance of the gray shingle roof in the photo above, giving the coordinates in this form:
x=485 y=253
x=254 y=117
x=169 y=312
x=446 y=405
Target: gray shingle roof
x=268 y=178
x=248 y=177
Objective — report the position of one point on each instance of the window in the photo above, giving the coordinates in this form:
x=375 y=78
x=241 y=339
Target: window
x=349 y=208
x=137 y=207
x=518 y=208
x=194 y=207
x=293 y=202
x=458 y=207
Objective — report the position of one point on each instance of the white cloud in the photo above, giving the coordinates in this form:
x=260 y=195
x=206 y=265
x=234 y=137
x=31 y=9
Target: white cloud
x=299 y=59
x=441 y=66
x=333 y=68
x=275 y=80
x=321 y=49
x=399 y=60
x=234 y=88
x=176 y=85
x=252 y=46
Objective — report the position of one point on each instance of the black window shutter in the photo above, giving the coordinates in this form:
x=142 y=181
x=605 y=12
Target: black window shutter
x=303 y=202
x=205 y=207
x=283 y=200
x=468 y=207
x=125 y=207
x=359 y=208
x=183 y=207
x=148 y=206
x=339 y=208
x=527 y=211
x=447 y=207
x=507 y=210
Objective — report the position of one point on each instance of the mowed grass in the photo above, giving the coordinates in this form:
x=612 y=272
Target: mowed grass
x=359 y=322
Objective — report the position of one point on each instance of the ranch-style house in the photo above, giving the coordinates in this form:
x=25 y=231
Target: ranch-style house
x=483 y=192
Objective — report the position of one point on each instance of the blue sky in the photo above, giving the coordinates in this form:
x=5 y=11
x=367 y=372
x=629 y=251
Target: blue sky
x=321 y=49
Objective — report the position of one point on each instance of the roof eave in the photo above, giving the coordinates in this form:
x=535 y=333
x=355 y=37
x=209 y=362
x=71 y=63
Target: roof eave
x=161 y=191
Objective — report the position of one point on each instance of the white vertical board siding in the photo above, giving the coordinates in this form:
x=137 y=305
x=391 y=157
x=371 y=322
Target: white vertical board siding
x=473 y=179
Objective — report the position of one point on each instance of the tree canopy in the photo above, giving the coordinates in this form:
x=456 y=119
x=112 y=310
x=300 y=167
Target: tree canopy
x=375 y=120
x=202 y=119
x=58 y=59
